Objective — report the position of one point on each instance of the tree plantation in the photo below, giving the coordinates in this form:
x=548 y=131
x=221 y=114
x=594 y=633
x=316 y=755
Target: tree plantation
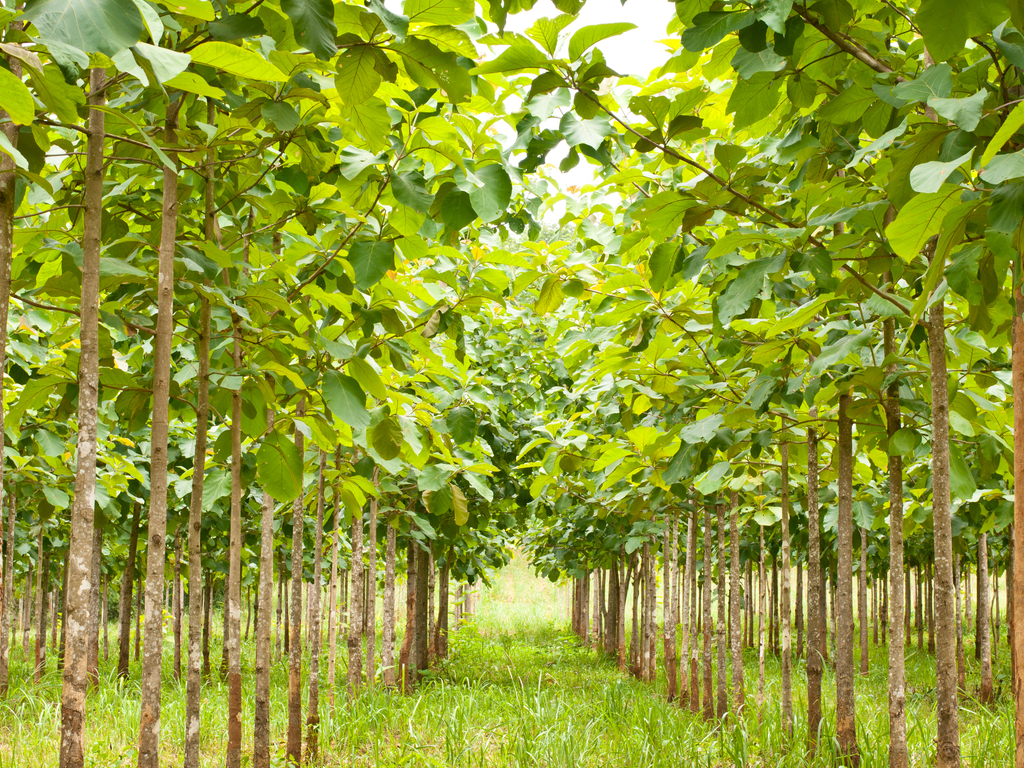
x=428 y=383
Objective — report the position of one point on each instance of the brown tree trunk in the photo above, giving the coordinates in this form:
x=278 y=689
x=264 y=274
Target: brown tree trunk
x=1017 y=590
x=355 y=629
x=371 y=592
x=721 y=631
x=264 y=596
x=294 y=744
x=846 y=724
x=968 y=602
x=405 y=658
x=985 y=691
x=694 y=641
x=313 y=716
x=282 y=599
x=929 y=587
x=709 y=707
x=42 y=590
x=669 y=542
x=646 y=634
x=26 y=624
x=138 y=618
x=961 y=661
x=948 y=730
x=94 y=603
x=735 y=623
x=442 y=608
x=125 y=601
x=8 y=593
x=919 y=607
x=785 y=598
x=388 y=630
x=760 y=624
x=233 y=591
x=177 y=605
x=862 y=601
x=621 y=614
x=332 y=609
x=207 y=618
x=798 y=601
x=814 y=624
x=75 y=678
x=420 y=662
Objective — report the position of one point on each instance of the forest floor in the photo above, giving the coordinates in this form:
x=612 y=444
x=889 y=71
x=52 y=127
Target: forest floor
x=518 y=690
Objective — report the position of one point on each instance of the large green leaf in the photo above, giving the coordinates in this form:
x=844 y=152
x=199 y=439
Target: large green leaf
x=439 y=11
x=591 y=133
x=966 y=113
x=371 y=260
x=345 y=399
x=491 y=199
x=387 y=438
x=15 y=98
x=461 y=424
x=947 y=24
x=106 y=26
x=457 y=210
x=518 y=56
x=711 y=480
x=368 y=378
x=411 y=191
x=753 y=100
x=736 y=298
x=961 y=480
x=586 y=37
x=708 y=28
x=279 y=467
x=919 y=220
x=1004 y=167
x=928 y=177
x=314 y=25
x=237 y=61
x=1010 y=126
x=357 y=79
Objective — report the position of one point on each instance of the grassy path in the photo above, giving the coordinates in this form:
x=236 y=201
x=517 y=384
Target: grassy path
x=517 y=691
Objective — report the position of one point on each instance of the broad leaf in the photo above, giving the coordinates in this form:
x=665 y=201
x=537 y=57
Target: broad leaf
x=461 y=424
x=587 y=37
x=387 y=438
x=345 y=399
x=371 y=260
x=459 y=504
x=314 y=25
x=491 y=199
x=237 y=61
x=279 y=467
x=106 y=26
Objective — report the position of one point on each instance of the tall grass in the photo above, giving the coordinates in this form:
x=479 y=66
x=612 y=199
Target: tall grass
x=518 y=690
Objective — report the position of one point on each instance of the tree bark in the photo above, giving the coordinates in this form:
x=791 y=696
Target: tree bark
x=176 y=611
x=814 y=625
x=313 y=716
x=42 y=590
x=444 y=578
x=721 y=630
x=420 y=660
x=709 y=707
x=1017 y=648
x=75 y=678
x=787 y=670
x=281 y=608
x=862 y=601
x=985 y=691
x=760 y=624
x=332 y=610
x=961 y=661
x=735 y=589
x=798 y=600
x=94 y=602
x=691 y=579
x=388 y=632
x=405 y=661
x=948 y=731
x=8 y=594
x=264 y=660
x=294 y=744
x=899 y=756
x=125 y=600
x=138 y=618
x=371 y=591
x=355 y=630
x=669 y=543
x=846 y=724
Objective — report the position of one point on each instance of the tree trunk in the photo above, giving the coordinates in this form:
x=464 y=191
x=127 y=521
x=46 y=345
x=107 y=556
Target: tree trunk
x=442 y=608
x=1017 y=590
x=814 y=624
x=332 y=609
x=405 y=659
x=149 y=727
x=281 y=607
x=634 y=639
x=669 y=543
x=929 y=587
x=787 y=671
x=985 y=691
x=862 y=601
x=420 y=662
x=207 y=617
x=709 y=707
x=26 y=624
x=948 y=730
x=694 y=641
x=94 y=603
x=735 y=623
x=75 y=678
x=42 y=590
x=138 y=617
x=722 y=629
x=125 y=600
x=961 y=661
x=846 y=724
x=760 y=624
x=294 y=743
x=621 y=614
x=355 y=628
x=388 y=630
x=177 y=605
x=8 y=594
x=233 y=591
x=313 y=715
x=646 y=654
x=371 y=592
x=264 y=660
x=798 y=600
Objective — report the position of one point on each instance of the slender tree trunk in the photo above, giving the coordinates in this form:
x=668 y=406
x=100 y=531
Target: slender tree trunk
x=646 y=660
x=125 y=600
x=420 y=661
x=281 y=599
x=261 y=704
x=207 y=619
x=406 y=661
x=442 y=608
x=138 y=618
x=26 y=624
x=948 y=731
x=103 y=621
x=94 y=603
x=798 y=600
x=846 y=725
x=735 y=623
x=785 y=609
x=332 y=610
x=709 y=707
x=371 y=592
x=995 y=617
x=431 y=623
x=42 y=590
x=685 y=698
x=985 y=691
x=75 y=678
x=176 y=588
x=968 y=602
x=929 y=592
x=721 y=630
x=621 y=618
x=760 y=624
x=815 y=660
x=862 y=601
x=355 y=630
x=8 y=594
x=694 y=642
x=294 y=743
x=388 y=632
x=1017 y=550
x=961 y=661
x=313 y=716
x=920 y=607
x=669 y=543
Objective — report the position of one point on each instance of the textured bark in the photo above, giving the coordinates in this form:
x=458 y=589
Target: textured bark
x=647 y=634
x=1017 y=648
x=634 y=636
x=281 y=607
x=929 y=586
x=94 y=603
x=233 y=592
x=709 y=707
x=176 y=610
x=313 y=715
x=846 y=724
x=293 y=749
x=798 y=601
x=388 y=632
x=371 y=591
x=760 y=623
x=948 y=727
x=985 y=691
x=691 y=579
x=207 y=618
x=355 y=629
x=125 y=601
x=815 y=662
x=442 y=609
x=899 y=756
x=919 y=608
x=611 y=629
x=785 y=600
x=621 y=613
x=332 y=600
x=405 y=674
x=75 y=678
x=431 y=585
x=42 y=589
x=420 y=663
x=862 y=601
x=26 y=624
x=961 y=661
x=138 y=618
x=735 y=588
x=264 y=660
x=721 y=631
x=669 y=543
x=8 y=593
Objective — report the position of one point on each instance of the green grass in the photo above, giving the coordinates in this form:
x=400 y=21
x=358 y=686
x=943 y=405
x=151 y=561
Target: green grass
x=518 y=690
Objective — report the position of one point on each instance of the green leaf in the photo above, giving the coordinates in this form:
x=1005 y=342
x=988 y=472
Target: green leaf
x=491 y=200
x=461 y=424
x=591 y=133
x=708 y=28
x=368 y=378
x=748 y=64
x=479 y=483
x=457 y=210
x=928 y=177
x=459 y=505
x=515 y=58
x=586 y=37
x=197 y=9
x=280 y=114
x=237 y=61
x=801 y=90
x=395 y=23
x=947 y=24
x=736 y=298
x=774 y=13
x=387 y=438
x=451 y=12
x=919 y=220
x=410 y=190
x=545 y=31
x=15 y=98
x=661 y=264
x=966 y=113
x=1003 y=167
x=848 y=106
x=345 y=399
x=166 y=64
x=961 y=480
x=279 y=467
x=371 y=260
x=904 y=441
x=106 y=26
x=433 y=477
x=550 y=297
x=356 y=78
x=190 y=82
x=314 y=25
x=236 y=27
x=934 y=83
x=753 y=100
x=703 y=430
x=711 y=480
x=1010 y=126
